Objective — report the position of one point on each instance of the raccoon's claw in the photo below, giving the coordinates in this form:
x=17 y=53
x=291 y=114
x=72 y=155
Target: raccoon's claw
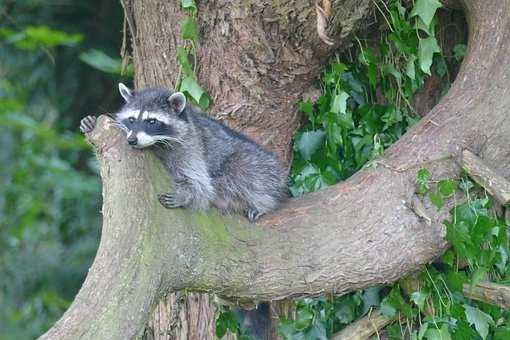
x=253 y=215
x=88 y=124
x=170 y=200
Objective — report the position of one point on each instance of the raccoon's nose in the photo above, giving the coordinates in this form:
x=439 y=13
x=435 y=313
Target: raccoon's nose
x=132 y=140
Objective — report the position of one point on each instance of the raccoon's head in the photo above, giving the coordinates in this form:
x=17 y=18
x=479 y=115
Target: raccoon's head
x=153 y=115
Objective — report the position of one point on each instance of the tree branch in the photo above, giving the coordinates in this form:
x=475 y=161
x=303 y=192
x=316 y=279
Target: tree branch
x=364 y=328
x=495 y=184
x=488 y=292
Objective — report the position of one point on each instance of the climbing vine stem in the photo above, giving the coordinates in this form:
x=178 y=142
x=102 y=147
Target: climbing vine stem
x=187 y=81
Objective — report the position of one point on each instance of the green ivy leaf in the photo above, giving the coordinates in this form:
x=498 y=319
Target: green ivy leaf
x=456 y=281
x=395 y=301
x=419 y=299
x=482 y=230
x=33 y=37
x=388 y=310
x=423 y=329
x=286 y=328
x=182 y=57
x=190 y=86
x=339 y=103
x=425 y=9
x=447 y=187
x=204 y=101
x=306 y=107
x=370 y=298
x=459 y=51
x=367 y=57
x=338 y=68
x=226 y=321
x=423 y=175
x=478 y=275
x=103 y=62
x=426 y=49
x=422 y=178
x=438 y=334
x=189 y=5
x=318 y=331
x=436 y=199
x=189 y=29
x=304 y=319
x=441 y=67
x=466 y=185
x=309 y=142
x=48 y=37
x=502 y=333
x=392 y=70
x=221 y=328
x=459 y=237
x=346 y=312
x=479 y=319
x=411 y=68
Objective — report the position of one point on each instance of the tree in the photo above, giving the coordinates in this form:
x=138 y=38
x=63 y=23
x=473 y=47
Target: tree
x=371 y=229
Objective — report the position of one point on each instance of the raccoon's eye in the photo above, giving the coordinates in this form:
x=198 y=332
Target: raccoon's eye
x=151 y=121
x=131 y=120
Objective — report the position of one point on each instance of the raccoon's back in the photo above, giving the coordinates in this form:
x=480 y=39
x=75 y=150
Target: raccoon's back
x=246 y=163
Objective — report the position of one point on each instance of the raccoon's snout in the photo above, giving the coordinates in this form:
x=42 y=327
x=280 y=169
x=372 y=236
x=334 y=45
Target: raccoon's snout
x=132 y=140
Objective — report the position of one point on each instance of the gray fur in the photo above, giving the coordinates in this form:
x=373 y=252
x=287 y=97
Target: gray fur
x=211 y=165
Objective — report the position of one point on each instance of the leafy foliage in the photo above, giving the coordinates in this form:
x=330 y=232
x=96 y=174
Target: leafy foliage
x=227 y=321
x=103 y=62
x=320 y=318
x=188 y=84
x=365 y=107
x=49 y=188
x=366 y=101
x=34 y=37
x=437 y=307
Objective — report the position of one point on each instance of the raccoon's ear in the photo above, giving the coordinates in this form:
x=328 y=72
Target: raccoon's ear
x=125 y=92
x=177 y=102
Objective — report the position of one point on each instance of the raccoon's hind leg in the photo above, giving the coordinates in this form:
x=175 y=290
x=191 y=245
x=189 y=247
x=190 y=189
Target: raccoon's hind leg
x=253 y=214
x=259 y=206
x=88 y=124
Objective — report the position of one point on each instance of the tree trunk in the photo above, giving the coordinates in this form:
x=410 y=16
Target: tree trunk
x=354 y=235
x=257 y=60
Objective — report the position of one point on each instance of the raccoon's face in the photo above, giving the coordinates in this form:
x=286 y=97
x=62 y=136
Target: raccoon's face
x=152 y=116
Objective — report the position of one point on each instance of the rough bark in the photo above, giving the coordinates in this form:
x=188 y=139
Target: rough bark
x=494 y=183
x=354 y=235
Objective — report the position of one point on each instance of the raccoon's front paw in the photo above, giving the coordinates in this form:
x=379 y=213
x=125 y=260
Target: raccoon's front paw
x=171 y=200
x=253 y=215
x=88 y=124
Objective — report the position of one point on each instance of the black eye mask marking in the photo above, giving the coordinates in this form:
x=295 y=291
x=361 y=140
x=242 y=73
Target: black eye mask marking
x=150 y=126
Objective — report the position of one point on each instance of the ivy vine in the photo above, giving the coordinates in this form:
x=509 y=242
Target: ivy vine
x=187 y=81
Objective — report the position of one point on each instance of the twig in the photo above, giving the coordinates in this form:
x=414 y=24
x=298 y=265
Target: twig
x=482 y=174
x=130 y=20
x=364 y=327
x=488 y=292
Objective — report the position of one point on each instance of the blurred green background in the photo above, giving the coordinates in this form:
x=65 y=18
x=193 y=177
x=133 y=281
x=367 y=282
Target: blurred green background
x=58 y=62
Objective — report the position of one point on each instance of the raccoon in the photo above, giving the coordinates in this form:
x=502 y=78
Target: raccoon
x=211 y=164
